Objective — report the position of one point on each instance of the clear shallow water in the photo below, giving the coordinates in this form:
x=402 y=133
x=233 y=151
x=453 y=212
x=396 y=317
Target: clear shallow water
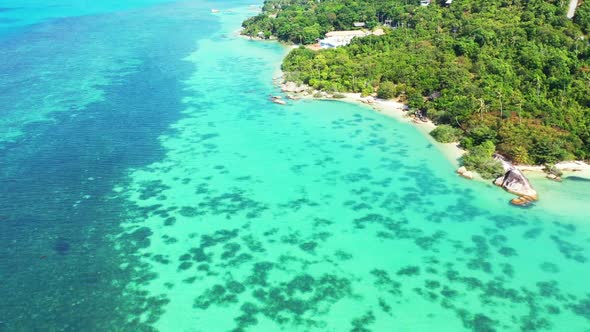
x=17 y=14
x=168 y=193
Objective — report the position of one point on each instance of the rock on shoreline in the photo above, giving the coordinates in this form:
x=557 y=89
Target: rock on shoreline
x=465 y=173
x=515 y=182
x=294 y=87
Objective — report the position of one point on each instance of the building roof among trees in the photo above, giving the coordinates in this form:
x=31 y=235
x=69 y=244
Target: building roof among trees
x=346 y=33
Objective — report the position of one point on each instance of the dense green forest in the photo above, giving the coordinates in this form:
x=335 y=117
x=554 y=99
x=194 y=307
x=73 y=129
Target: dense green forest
x=511 y=74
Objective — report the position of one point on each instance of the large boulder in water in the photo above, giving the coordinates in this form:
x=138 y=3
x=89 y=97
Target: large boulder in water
x=515 y=182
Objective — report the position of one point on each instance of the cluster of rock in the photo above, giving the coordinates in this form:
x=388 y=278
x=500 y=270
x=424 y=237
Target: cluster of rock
x=512 y=181
x=293 y=90
x=368 y=100
x=292 y=87
x=515 y=182
x=465 y=173
x=278 y=100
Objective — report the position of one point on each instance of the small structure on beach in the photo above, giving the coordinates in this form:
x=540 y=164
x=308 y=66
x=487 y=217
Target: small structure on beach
x=359 y=24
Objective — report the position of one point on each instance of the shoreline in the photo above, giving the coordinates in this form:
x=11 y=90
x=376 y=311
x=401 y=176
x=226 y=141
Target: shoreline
x=534 y=174
x=537 y=173
x=564 y=166
x=399 y=111
x=390 y=108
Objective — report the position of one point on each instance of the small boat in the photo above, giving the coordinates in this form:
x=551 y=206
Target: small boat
x=215 y=10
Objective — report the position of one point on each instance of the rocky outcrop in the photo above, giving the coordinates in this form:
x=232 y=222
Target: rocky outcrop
x=277 y=100
x=368 y=100
x=294 y=87
x=465 y=173
x=515 y=182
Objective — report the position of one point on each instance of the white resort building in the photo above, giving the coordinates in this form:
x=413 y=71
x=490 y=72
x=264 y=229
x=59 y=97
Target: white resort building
x=341 y=38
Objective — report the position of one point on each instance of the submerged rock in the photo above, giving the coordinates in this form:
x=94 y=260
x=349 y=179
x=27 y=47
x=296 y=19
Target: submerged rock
x=278 y=100
x=62 y=246
x=468 y=175
x=515 y=182
x=523 y=200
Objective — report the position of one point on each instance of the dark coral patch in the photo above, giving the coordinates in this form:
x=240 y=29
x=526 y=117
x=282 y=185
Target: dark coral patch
x=61 y=246
x=308 y=246
x=384 y=282
x=582 y=308
x=185 y=266
x=150 y=189
x=549 y=267
x=342 y=255
x=409 y=271
x=230 y=250
x=188 y=211
x=169 y=221
x=507 y=251
x=140 y=238
x=569 y=250
x=217 y=295
x=362 y=323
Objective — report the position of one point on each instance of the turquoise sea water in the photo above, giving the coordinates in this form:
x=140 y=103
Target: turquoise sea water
x=147 y=183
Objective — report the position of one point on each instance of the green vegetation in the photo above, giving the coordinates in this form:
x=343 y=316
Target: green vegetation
x=480 y=159
x=446 y=134
x=583 y=17
x=513 y=73
x=387 y=90
x=304 y=21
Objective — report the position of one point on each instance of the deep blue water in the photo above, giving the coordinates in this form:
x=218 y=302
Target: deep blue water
x=59 y=269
